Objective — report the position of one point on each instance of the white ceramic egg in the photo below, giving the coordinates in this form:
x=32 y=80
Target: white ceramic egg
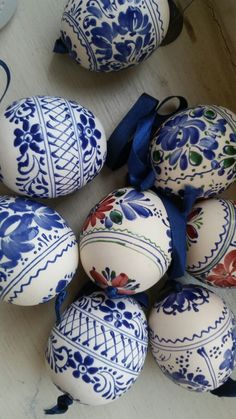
x=193 y=338
x=109 y=35
x=125 y=243
x=196 y=147
x=98 y=350
x=211 y=242
x=38 y=252
x=49 y=146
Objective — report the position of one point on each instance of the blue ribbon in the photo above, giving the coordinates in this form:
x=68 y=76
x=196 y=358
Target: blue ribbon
x=8 y=74
x=63 y=403
x=130 y=141
x=60 y=298
x=60 y=47
x=228 y=389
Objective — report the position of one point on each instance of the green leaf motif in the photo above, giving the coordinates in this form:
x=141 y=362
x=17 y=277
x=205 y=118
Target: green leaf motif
x=228 y=162
x=230 y=150
x=118 y=194
x=156 y=156
x=210 y=114
x=116 y=217
x=195 y=158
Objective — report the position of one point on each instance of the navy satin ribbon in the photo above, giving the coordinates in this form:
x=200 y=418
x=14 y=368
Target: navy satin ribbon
x=228 y=389
x=60 y=47
x=8 y=74
x=63 y=403
x=130 y=141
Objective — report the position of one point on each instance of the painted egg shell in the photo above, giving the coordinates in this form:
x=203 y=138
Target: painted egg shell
x=98 y=350
x=211 y=242
x=38 y=252
x=196 y=147
x=49 y=146
x=193 y=338
x=126 y=242
x=105 y=35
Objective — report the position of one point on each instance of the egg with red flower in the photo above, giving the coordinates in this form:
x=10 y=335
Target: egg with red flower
x=211 y=242
x=97 y=351
x=125 y=245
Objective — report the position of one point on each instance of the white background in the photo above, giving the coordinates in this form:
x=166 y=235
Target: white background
x=200 y=65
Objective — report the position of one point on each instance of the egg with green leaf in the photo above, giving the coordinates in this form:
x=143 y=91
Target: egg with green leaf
x=126 y=241
x=196 y=147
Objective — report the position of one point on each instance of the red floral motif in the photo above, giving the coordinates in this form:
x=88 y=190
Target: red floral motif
x=99 y=211
x=118 y=281
x=224 y=274
x=194 y=224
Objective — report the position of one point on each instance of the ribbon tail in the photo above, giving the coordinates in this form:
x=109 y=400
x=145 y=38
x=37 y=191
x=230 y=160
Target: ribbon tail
x=141 y=298
x=228 y=389
x=60 y=47
x=60 y=298
x=190 y=196
x=63 y=403
x=8 y=74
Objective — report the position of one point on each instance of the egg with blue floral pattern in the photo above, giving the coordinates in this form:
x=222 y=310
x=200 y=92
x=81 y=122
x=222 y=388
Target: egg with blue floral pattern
x=193 y=338
x=38 y=252
x=125 y=245
x=97 y=351
x=211 y=242
x=110 y=35
x=49 y=146
x=196 y=147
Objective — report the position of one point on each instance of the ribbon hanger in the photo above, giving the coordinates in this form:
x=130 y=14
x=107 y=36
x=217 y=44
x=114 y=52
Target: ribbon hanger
x=8 y=74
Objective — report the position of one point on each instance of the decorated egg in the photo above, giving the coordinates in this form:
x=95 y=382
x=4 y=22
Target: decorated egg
x=98 y=350
x=125 y=243
x=106 y=35
x=193 y=338
x=38 y=252
x=211 y=242
x=196 y=147
x=49 y=146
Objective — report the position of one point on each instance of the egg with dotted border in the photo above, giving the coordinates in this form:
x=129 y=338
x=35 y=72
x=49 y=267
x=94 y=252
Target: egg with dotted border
x=126 y=241
x=193 y=338
x=196 y=147
x=38 y=252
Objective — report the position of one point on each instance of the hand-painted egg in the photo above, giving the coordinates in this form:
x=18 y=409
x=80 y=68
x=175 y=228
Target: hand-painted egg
x=196 y=147
x=49 y=146
x=38 y=252
x=106 y=35
x=211 y=242
x=193 y=338
x=98 y=350
x=125 y=243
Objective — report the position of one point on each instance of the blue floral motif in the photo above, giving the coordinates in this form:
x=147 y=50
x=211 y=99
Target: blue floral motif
x=116 y=314
x=196 y=382
x=20 y=111
x=113 y=37
x=188 y=299
x=88 y=132
x=28 y=137
x=84 y=368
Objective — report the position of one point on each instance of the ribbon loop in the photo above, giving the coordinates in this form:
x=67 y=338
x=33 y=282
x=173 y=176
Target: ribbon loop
x=8 y=74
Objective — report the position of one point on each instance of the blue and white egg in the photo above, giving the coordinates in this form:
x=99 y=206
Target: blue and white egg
x=38 y=252
x=196 y=147
x=105 y=35
x=97 y=351
x=126 y=241
x=193 y=338
x=49 y=146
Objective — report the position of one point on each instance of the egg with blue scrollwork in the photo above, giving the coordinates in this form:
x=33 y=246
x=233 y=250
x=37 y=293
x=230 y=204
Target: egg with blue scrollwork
x=196 y=147
x=193 y=338
x=49 y=146
x=97 y=351
x=211 y=242
x=125 y=244
x=110 y=35
x=38 y=252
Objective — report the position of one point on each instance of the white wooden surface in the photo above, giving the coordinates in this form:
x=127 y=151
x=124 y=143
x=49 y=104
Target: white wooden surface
x=201 y=65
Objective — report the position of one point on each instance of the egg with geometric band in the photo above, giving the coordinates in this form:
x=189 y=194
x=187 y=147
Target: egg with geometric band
x=105 y=35
x=38 y=252
x=211 y=242
x=125 y=244
x=97 y=351
x=49 y=146
x=196 y=147
x=193 y=338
